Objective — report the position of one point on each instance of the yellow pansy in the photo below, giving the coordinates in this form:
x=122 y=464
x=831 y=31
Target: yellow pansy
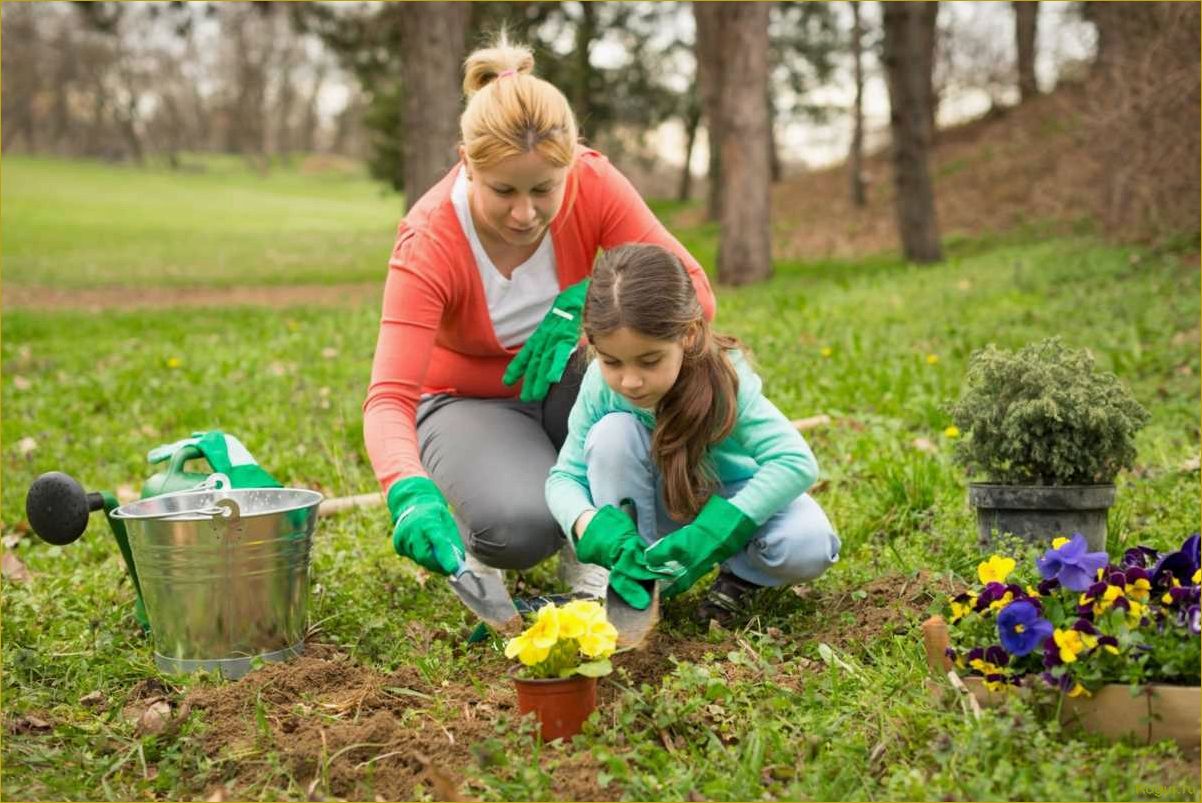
x=998 y=604
x=1058 y=542
x=1070 y=643
x=962 y=609
x=996 y=569
x=1078 y=691
x=1197 y=578
x=1141 y=589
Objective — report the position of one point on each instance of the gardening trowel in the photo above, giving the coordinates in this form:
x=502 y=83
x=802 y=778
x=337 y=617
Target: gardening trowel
x=632 y=624
x=486 y=596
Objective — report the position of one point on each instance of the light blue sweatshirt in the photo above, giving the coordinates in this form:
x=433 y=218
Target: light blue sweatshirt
x=763 y=448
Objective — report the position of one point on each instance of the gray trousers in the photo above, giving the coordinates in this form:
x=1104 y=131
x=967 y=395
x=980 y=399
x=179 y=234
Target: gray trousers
x=490 y=458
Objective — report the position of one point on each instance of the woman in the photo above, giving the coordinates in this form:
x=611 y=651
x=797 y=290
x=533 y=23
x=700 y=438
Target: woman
x=475 y=371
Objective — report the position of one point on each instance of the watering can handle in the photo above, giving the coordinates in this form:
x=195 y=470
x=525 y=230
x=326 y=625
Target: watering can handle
x=183 y=455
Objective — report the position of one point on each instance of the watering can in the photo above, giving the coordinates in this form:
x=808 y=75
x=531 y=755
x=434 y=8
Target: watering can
x=189 y=537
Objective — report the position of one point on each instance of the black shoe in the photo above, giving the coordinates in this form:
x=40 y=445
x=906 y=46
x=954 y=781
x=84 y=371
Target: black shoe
x=726 y=601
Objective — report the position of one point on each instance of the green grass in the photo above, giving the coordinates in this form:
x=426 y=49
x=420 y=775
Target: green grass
x=81 y=224
x=775 y=715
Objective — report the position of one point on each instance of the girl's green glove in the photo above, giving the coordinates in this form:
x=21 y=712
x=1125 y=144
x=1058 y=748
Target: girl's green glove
x=611 y=540
x=423 y=529
x=541 y=361
x=719 y=531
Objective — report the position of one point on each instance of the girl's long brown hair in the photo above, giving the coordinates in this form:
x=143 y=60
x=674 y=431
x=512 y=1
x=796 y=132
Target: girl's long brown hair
x=646 y=289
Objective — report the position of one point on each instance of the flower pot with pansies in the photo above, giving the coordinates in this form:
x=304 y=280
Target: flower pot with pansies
x=561 y=655
x=1047 y=433
x=1111 y=645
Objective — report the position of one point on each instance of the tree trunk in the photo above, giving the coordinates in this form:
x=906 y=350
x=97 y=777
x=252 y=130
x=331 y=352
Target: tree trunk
x=745 y=235
x=434 y=36
x=586 y=32
x=855 y=159
x=692 y=123
x=710 y=77
x=909 y=40
x=776 y=170
x=1026 y=20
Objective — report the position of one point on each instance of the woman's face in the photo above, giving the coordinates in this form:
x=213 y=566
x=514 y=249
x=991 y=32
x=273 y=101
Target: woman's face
x=639 y=368
x=515 y=200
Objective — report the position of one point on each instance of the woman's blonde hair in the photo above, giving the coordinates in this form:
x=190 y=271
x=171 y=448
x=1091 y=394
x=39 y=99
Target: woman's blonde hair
x=511 y=112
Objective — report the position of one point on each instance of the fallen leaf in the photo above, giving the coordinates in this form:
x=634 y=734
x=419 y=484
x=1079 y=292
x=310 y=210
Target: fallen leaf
x=924 y=445
x=26 y=445
x=13 y=569
x=155 y=718
x=21 y=383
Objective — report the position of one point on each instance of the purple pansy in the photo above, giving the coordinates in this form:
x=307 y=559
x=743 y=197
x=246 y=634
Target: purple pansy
x=1194 y=617
x=1142 y=556
x=1180 y=564
x=1021 y=628
x=1071 y=564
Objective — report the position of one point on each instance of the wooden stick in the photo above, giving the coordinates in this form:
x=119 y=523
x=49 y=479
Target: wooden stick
x=338 y=504
x=813 y=422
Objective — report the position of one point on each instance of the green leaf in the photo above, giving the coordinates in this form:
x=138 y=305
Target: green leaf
x=595 y=669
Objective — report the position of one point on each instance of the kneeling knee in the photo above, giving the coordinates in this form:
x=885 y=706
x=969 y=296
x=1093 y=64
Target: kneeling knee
x=516 y=542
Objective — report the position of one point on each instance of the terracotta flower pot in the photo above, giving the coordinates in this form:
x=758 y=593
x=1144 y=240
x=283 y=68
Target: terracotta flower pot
x=561 y=704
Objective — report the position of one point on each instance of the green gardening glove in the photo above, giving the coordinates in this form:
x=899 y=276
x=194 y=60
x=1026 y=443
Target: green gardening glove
x=423 y=529
x=541 y=361
x=611 y=540
x=225 y=454
x=719 y=531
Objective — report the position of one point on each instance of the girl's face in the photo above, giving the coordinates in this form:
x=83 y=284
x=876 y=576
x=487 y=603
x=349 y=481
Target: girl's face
x=639 y=368
x=515 y=200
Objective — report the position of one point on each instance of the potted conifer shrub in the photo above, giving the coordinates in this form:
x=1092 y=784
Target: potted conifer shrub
x=1048 y=432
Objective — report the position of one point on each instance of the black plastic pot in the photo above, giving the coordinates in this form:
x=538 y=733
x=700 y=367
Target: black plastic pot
x=1039 y=513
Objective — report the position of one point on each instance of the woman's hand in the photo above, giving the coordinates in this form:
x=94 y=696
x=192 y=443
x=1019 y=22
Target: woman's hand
x=423 y=528
x=541 y=361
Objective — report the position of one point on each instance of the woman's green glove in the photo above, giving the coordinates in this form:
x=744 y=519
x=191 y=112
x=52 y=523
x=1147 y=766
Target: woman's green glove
x=611 y=540
x=719 y=531
x=541 y=361
x=423 y=529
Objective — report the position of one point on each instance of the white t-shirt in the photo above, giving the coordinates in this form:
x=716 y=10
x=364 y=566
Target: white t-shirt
x=516 y=305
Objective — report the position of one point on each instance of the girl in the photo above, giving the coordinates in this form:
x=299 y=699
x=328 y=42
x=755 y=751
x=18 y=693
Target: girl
x=670 y=419
x=473 y=375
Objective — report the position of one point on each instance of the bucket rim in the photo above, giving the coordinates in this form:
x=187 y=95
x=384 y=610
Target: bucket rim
x=313 y=498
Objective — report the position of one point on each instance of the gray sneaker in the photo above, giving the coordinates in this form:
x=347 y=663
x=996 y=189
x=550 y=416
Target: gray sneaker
x=583 y=578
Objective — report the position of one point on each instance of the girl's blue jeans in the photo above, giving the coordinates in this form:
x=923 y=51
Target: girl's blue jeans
x=795 y=545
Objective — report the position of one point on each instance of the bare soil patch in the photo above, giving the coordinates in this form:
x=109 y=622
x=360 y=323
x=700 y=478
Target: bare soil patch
x=345 y=730
x=99 y=299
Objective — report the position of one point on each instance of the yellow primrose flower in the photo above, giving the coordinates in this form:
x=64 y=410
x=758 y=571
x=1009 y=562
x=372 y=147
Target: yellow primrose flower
x=174 y=362
x=536 y=641
x=599 y=639
x=571 y=625
x=1058 y=542
x=996 y=569
x=1070 y=644
x=1078 y=690
x=932 y=359
x=825 y=351
x=952 y=431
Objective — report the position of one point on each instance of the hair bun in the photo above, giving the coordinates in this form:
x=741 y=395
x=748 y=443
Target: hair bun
x=487 y=64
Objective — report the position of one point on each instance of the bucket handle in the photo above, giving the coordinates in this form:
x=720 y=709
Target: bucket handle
x=225 y=508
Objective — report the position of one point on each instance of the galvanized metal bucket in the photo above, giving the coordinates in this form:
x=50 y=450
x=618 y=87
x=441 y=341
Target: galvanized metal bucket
x=224 y=574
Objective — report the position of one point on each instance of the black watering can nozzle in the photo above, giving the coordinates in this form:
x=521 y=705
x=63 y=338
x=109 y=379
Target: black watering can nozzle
x=57 y=507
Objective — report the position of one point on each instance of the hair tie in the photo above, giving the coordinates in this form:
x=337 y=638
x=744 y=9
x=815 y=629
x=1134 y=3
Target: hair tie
x=506 y=73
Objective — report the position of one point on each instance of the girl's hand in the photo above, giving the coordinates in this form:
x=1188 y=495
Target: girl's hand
x=611 y=540
x=719 y=531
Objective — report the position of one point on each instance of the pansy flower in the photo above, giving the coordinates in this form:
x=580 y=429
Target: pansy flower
x=1071 y=643
x=996 y=569
x=1182 y=564
x=1021 y=628
x=1070 y=563
x=1141 y=556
